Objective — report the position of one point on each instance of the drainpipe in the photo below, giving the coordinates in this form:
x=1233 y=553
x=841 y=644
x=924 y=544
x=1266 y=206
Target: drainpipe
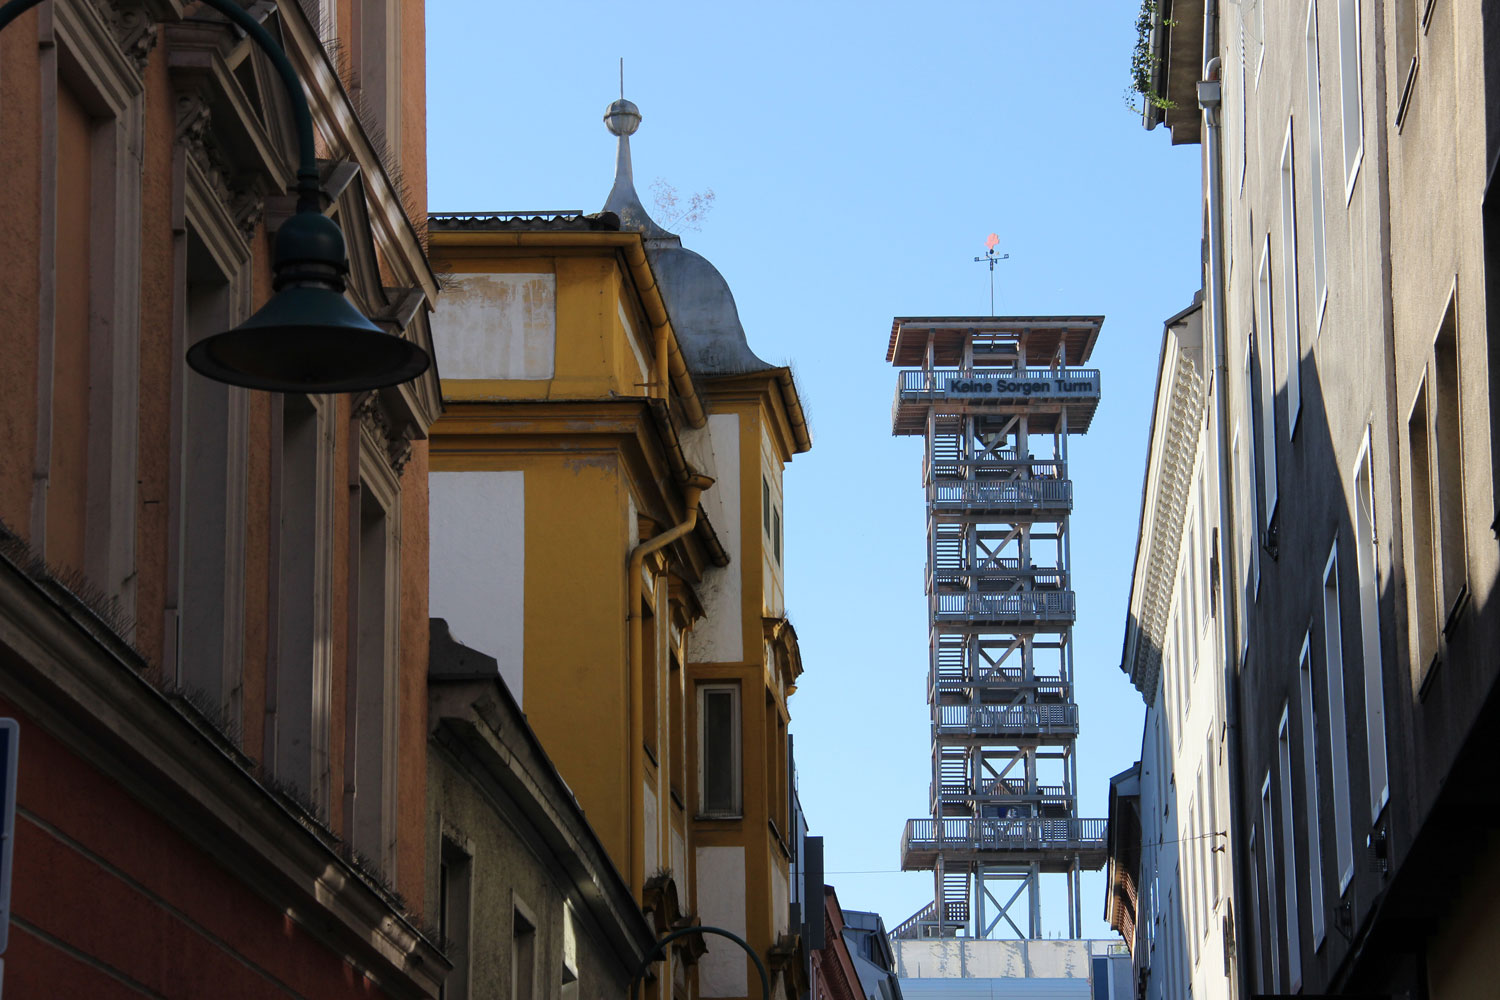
x=661 y=361
x=693 y=489
x=1210 y=94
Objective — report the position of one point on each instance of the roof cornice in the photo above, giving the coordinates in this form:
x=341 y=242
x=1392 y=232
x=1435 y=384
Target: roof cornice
x=1180 y=398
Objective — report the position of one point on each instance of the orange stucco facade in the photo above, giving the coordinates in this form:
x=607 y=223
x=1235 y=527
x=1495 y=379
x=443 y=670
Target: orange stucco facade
x=200 y=824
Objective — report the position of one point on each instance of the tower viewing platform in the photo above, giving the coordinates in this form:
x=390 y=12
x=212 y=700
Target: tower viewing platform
x=996 y=400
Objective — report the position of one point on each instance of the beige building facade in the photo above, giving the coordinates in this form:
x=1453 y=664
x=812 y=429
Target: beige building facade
x=1347 y=151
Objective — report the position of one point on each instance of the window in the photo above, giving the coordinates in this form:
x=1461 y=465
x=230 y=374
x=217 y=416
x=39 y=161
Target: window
x=1338 y=738
x=1288 y=852
x=1351 y=103
x=372 y=830
x=650 y=669
x=1260 y=36
x=67 y=453
x=719 y=750
x=1369 y=629
x=1291 y=327
x=84 y=470
x=1244 y=109
x=214 y=484
x=455 y=894
x=299 y=686
x=1273 y=941
x=776 y=534
x=1424 y=580
x=1449 y=467
x=1310 y=805
x=1315 y=165
x=569 y=963
x=377 y=64
x=1266 y=369
x=1407 y=16
x=1247 y=557
x=765 y=504
x=522 y=956
x=1257 y=967
x=1190 y=890
x=1213 y=843
x=677 y=728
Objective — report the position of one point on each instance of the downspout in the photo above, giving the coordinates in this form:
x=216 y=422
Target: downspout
x=661 y=361
x=693 y=490
x=1210 y=95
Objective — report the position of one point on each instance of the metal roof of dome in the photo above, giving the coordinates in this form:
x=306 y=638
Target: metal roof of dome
x=697 y=297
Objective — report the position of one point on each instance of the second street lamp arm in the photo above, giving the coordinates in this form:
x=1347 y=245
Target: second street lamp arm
x=309 y=185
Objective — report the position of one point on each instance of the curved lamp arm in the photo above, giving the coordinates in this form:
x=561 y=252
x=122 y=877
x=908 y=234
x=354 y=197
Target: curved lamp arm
x=309 y=185
x=657 y=949
x=308 y=337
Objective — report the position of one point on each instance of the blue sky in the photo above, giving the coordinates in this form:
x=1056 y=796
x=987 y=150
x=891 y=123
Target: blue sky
x=860 y=154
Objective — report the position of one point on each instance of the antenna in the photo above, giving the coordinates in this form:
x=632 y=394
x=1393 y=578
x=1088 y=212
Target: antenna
x=622 y=78
x=993 y=259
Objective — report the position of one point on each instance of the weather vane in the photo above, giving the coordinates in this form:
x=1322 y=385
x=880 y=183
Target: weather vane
x=993 y=258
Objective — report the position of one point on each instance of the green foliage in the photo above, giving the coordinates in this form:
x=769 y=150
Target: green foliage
x=1140 y=94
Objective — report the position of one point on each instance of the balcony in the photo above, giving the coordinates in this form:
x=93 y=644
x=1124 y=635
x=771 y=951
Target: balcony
x=1002 y=791
x=1002 y=496
x=1053 y=843
x=953 y=678
x=1045 y=394
x=1054 y=609
x=987 y=723
x=954 y=567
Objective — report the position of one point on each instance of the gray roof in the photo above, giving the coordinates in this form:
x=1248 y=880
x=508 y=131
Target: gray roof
x=697 y=297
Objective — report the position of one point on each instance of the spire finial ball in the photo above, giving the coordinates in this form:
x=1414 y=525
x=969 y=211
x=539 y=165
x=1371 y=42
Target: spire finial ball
x=622 y=117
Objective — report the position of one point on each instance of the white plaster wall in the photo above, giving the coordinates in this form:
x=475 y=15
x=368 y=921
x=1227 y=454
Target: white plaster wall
x=719 y=638
x=960 y=958
x=497 y=326
x=781 y=917
x=640 y=361
x=770 y=466
x=679 y=862
x=650 y=832
x=477 y=563
x=721 y=903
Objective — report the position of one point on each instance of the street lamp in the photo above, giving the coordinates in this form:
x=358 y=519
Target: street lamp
x=308 y=337
x=659 y=948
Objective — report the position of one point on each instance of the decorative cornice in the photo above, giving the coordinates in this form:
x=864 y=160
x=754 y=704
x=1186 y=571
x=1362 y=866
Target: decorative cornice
x=243 y=199
x=1166 y=498
x=395 y=436
x=133 y=27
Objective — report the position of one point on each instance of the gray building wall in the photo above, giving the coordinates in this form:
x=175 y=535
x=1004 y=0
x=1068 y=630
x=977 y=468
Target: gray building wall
x=502 y=820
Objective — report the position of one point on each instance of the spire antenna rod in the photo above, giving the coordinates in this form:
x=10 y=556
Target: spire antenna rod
x=622 y=78
x=991 y=257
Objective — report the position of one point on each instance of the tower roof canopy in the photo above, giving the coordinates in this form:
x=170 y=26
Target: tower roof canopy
x=1042 y=335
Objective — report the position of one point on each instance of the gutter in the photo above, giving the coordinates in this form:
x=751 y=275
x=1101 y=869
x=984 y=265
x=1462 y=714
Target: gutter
x=1210 y=95
x=694 y=488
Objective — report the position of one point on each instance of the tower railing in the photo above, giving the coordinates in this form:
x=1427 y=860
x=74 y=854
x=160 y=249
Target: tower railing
x=1006 y=720
x=1015 y=606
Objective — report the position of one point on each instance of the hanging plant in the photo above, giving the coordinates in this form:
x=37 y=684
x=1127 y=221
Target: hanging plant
x=1144 y=62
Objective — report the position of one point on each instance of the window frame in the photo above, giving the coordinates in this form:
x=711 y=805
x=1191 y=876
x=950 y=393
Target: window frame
x=1311 y=805
x=1291 y=326
x=1349 y=38
x=1338 y=743
x=1288 y=850
x=736 y=744
x=1367 y=562
x=1315 y=165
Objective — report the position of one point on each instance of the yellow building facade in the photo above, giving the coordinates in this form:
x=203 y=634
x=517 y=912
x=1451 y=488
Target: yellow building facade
x=607 y=523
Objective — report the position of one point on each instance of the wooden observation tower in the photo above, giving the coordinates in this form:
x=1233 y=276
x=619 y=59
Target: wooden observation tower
x=995 y=399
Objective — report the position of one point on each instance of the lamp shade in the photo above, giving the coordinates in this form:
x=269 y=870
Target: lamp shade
x=308 y=337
